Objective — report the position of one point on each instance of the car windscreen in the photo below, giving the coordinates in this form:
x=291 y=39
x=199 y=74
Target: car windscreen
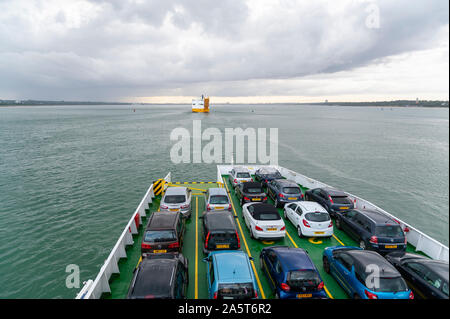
x=317 y=217
x=390 y=285
x=218 y=199
x=389 y=231
x=341 y=200
x=303 y=278
x=174 y=199
x=236 y=290
x=158 y=236
x=242 y=175
x=254 y=190
x=291 y=190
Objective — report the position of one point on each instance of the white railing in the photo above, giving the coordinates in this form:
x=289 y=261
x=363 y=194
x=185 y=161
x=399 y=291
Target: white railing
x=415 y=237
x=93 y=289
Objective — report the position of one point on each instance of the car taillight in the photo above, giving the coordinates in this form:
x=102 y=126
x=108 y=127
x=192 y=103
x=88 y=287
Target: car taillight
x=406 y=230
x=411 y=295
x=306 y=223
x=256 y=294
x=145 y=246
x=406 y=240
x=215 y=295
x=374 y=240
x=282 y=196
x=207 y=238
x=265 y=180
x=301 y=195
x=258 y=228
x=229 y=206
x=163 y=207
x=246 y=198
x=283 y=228
x=184 y=206
x=235 y=180
x=174 y=245
x=370 y=295
x=265 y=198
x=331 y=224
x=208 y=207
x=239 y=240
x=331 y=200
x=285 y=287
x=320 y=286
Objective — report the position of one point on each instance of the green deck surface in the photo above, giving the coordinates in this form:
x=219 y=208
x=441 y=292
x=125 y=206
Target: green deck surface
x=192 y=249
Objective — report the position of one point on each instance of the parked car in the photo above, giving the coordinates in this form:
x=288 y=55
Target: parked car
x=365 y=274
x=284 y=191
x=428 y=278
x=267 y=174
x=217 y=199
x=177 y=199
x=250 y=192
x=291 y=273
x=239 y=174
x=372 y=230
x=230 y=275
x=160 y=276
x=263 y=221
x=331 y=199
x=164 y=233
x=310 y=219
x=219 y=231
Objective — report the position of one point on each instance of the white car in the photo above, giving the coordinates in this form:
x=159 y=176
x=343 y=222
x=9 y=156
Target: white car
x=239 y=174
x=263 y=221
x=310 y=219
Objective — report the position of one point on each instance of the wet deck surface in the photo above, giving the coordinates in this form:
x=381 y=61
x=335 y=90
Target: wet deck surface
x=192 y=248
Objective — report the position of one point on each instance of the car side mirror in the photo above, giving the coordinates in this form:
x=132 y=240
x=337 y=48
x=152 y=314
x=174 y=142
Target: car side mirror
x=251 y=258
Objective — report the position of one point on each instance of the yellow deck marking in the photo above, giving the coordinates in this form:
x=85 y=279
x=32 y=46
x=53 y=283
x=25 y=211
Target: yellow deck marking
x=196 y=248
x=268 y=242
x=338 y=240
x=246 y=247
x=140 y=259
x=315 y=241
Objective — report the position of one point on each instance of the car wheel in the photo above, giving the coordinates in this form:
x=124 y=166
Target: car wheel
x=277 y=205
x=251 y=233
x=277 y=296
x=299 y=231
x=261 y=265
x=326 y=264
x=356 y=296
x=285 y=215
x=362 y=244
x=338 y=223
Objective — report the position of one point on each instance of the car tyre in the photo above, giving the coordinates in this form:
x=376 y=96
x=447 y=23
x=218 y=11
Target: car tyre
x=299 y=231
x=356 y=296
x=338 y=223
x=285 y=215
x=362 y=244
x=277 y=205
x=326 y=264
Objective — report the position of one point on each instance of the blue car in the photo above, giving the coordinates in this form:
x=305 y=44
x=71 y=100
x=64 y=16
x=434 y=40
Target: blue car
x=291 y=273
x=230 y=275
x=365 y=274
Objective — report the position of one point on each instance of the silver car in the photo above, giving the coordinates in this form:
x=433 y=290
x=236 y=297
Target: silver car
x=217 y=199
x=177 y=199
x=239 y=174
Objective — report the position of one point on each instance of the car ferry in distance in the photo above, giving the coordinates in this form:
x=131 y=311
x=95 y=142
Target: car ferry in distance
x=322 y=256
x=200 y=105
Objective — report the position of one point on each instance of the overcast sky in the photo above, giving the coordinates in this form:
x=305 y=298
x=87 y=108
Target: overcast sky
x=254 y=50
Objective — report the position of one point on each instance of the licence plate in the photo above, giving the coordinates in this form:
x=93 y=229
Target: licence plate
x=160 y=251
x=271 y=229
x=174 y=209
x=256 y=199
x=292 y=198
x=345 y=207
x=223 y=246
x=319 y=232
x=219 y=207
x=390 y=246
x=304 y=295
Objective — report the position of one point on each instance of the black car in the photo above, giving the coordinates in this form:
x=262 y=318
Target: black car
x=284 y=191
x=161 y=276
x=164 y=233
x=427 y=278
x=250 y=192
x=219 y=231
x=267 y=174
x=331 y=199
x=373 y=230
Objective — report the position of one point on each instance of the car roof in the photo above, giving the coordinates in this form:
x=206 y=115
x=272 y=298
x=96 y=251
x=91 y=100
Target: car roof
x=309 y=206
x=265 y=170
x=220 y=220
x=438 y=266
x=176 y=191
x=377 y=217
x=293 y=258
x=241 y=169
x=261 y=208
x=217 y=191
x=161 y=220
x=248 y=185
x=287 y=182
x=334 y=192
x=232 y=266
x=368 y=257
x=154 y=276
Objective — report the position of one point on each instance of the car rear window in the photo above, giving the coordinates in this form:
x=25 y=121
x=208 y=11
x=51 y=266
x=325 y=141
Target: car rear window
x=317 y=217
x=291 y=190
x=254 y=190
x=174 y=199
x=341 y=200
x=391 y=285
x=303 y=278
x=389 y=231
x=218 y=199
x=269 y=216
x=155 y=236
x=272 y=175
x=243 y=175
x=241 y=290
x=222 y=236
